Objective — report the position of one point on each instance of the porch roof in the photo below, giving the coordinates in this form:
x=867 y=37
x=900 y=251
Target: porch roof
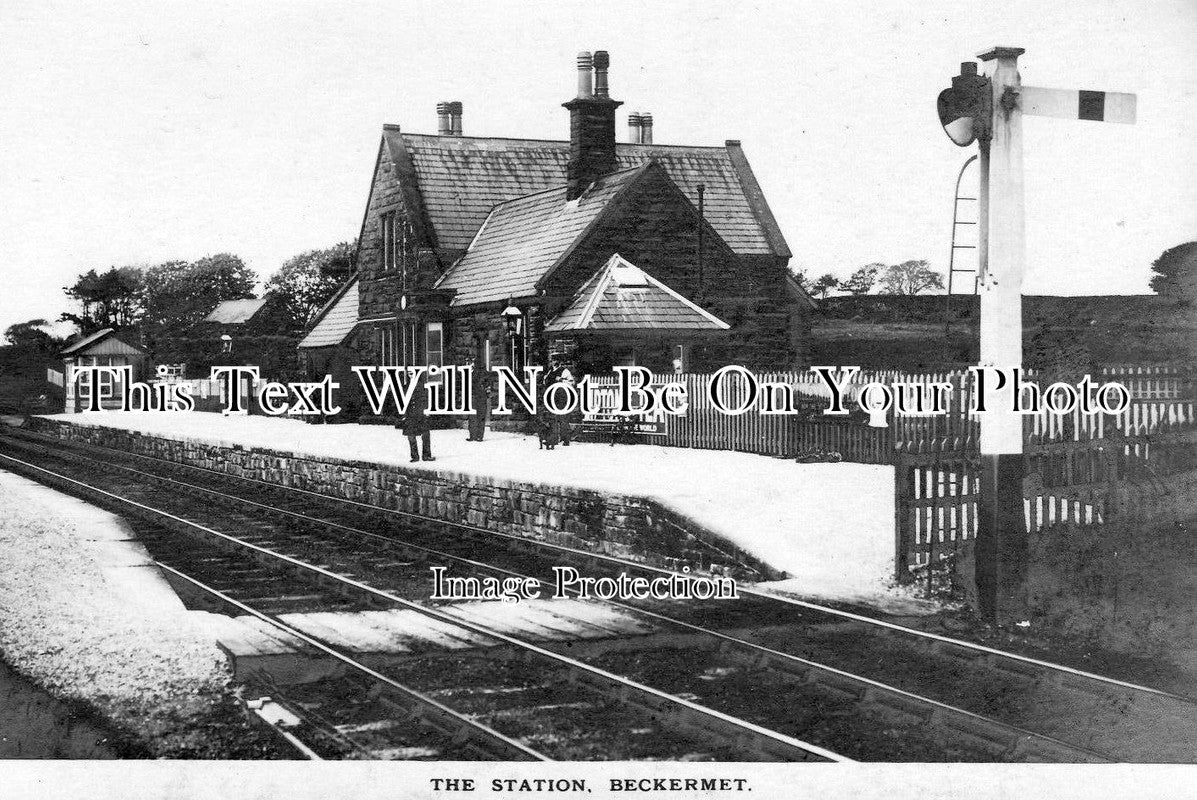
x=621 y=297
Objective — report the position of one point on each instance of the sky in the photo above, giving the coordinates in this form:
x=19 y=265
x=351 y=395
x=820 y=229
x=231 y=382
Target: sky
x=138 y=132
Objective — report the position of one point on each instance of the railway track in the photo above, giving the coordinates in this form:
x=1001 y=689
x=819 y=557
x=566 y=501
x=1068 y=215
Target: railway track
x=590 y=712
x=762 y=652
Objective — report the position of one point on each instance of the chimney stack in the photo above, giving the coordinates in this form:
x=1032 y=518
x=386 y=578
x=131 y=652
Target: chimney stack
x=591 y=126
x=585 y=75
x=455 y=118
x=443 y=126
x=646 y=128
x=634 y=127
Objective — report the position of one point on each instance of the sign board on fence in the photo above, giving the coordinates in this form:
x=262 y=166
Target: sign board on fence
x=605 y=401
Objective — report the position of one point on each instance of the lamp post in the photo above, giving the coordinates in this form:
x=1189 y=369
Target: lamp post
x=513 y=320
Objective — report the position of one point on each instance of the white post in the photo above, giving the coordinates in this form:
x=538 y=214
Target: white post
x=1003 y=245
x=68 y=385
x=1001 y=547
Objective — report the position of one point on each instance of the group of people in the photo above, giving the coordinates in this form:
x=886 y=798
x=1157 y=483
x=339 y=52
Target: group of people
x=551 y=428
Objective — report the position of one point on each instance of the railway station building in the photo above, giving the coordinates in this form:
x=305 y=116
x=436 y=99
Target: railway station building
x=106 y=347
x=507 y=251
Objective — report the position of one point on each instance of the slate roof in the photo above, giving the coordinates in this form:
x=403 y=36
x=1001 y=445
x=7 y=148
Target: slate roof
x=523 y=239
x=461 y=178
x=234 y=312
x=623 y=297
x=336 y=320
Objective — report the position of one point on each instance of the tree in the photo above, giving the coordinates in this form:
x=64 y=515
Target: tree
x=1176 y=272
x=31 y=334
x=824 y=284
x=911 y=277
x=109 y=300
x=307 y=281
x=178 y=294
x=223 y=276
x=861 y=281
x=167 y=294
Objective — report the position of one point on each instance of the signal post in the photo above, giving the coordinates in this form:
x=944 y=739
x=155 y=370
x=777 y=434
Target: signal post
x=1001 y=546
x=989 y=110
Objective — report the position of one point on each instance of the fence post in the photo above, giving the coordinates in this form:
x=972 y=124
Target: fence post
x=903 y=492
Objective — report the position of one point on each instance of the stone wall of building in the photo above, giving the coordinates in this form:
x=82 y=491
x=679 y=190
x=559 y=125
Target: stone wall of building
x=633 y=528
x=379 y=289
x=416 y=267
x=656 y=228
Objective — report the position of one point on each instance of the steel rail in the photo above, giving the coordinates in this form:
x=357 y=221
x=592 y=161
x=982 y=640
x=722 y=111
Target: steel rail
x=446 y=720
x=461 y=724
x=692 y=715
x=934 y=639
x=1015 y=739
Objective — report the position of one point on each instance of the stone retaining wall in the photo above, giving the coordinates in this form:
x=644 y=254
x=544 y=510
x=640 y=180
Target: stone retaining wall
x=635 y=528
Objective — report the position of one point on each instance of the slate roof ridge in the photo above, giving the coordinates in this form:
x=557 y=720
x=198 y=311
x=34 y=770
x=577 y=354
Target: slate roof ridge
x=441 y=137
x=455 y=181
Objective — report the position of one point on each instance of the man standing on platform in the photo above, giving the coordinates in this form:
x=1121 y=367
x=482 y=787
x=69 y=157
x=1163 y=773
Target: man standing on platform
x=415 y=422
x=559 y=373
x=480 y=392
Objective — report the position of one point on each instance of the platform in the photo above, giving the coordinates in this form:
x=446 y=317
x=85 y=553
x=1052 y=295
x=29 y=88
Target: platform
x=829 y=526
x=379 y=637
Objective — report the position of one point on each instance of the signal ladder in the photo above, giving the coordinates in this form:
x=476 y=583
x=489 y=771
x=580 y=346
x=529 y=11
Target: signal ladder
x=957 y=224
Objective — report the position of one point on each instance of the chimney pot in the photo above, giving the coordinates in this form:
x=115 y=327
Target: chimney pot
x=585 y=74
x=591 y=128
x=443 y=126
x=646 y=128
x=601 y=62
x=634 y=128
x=455 y=112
